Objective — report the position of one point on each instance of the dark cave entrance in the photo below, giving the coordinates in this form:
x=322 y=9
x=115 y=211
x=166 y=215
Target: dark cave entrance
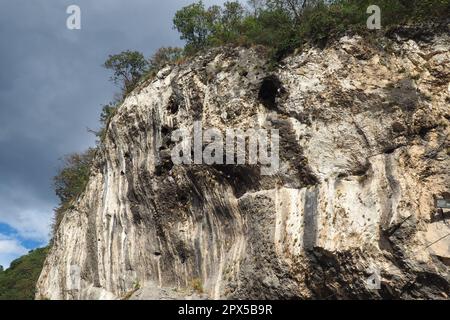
x=271 y=88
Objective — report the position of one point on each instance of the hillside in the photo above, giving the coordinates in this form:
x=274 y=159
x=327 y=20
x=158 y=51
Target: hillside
x=19 y=281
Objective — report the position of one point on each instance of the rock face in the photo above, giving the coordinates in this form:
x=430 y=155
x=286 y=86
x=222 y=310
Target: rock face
x=364 y=152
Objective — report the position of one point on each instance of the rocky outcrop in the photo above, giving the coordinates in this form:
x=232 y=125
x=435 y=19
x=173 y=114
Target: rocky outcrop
x=364 y=152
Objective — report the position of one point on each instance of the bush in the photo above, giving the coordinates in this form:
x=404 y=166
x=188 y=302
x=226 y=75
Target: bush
x=108 y=111
x=71 y=181
x=284 y=25
x=72 y=178
x=164 y=56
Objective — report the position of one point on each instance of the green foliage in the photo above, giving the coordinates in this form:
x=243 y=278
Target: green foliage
x=294 y=8
x=108 y=111
x=164 y=56
x=271 y=28
x=203 y=27
x=19 y=281
x=284 y=25
x=195 y=24
x=72 y=178
x=228 y=27
x=71 y=181
x=128 y=68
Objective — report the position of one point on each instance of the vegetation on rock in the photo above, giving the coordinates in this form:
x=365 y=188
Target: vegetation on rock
x=128 y=68
x=285 y=25
x=71 y=181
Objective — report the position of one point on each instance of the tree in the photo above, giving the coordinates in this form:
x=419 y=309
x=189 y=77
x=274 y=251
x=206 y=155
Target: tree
x=164 y=56
x=256 y=6
x=128 y=67
x=293 y=7
x=231 y=19
x=272 y=28
x=1 y=268
x=232 y=14
x=195 y=24
x=71 y=180
x=108 y=111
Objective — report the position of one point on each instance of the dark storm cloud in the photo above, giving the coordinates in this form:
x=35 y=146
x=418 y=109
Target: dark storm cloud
x=52 y=87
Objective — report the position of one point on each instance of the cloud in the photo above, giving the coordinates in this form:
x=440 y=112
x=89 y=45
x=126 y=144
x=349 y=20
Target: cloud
x=10 y=249
x=25 y=212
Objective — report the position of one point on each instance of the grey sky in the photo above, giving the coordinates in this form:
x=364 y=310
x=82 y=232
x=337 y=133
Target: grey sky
x=52 y=87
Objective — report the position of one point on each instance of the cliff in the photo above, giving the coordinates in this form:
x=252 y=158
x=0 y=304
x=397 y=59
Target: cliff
x=364 y=154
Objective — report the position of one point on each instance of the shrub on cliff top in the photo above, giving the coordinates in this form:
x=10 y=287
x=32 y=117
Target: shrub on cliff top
x=164 y=56
x=285 y=24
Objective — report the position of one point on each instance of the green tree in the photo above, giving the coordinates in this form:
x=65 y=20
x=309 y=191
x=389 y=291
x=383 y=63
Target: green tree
x=271 y=28
x=293 y=7
x=284 y=25
x=195 y=24
x=229 y=27
x=128 y=67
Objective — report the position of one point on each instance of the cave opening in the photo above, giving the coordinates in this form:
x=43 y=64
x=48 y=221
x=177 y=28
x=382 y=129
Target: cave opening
x=270 y=89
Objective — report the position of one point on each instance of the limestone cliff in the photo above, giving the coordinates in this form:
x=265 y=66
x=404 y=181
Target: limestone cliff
x=364 y=150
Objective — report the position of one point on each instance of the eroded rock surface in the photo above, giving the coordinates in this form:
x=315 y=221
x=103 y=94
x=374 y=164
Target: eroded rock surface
x=364 y=153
